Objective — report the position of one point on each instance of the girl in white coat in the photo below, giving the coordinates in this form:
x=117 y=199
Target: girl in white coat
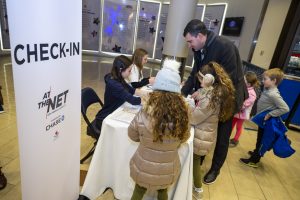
x=139 y=59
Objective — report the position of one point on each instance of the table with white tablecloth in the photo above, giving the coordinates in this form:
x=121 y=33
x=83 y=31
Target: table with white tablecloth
x=109 y=167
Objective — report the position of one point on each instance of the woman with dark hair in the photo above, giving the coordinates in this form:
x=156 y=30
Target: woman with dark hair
x=117 y=90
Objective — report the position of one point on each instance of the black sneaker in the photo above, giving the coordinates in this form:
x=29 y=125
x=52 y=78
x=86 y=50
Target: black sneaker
x=248 y=162
x=3 y=180
x=1 y=109
x=233 y=143
x=210 y=177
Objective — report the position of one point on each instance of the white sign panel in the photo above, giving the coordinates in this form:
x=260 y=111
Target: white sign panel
x=45 y=38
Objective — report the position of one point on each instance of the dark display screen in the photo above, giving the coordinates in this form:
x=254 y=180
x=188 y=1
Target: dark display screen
x=233 y=26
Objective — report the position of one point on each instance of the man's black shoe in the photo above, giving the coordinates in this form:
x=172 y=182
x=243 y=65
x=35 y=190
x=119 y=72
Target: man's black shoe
x=82 y=197
x=3 y=180
x=210 y=177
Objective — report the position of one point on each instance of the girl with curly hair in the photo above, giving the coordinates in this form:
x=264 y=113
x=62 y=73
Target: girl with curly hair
x=160 y=127
x=215 y=101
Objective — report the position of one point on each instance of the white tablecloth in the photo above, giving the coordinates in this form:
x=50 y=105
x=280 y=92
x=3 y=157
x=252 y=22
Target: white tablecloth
x=110 y=165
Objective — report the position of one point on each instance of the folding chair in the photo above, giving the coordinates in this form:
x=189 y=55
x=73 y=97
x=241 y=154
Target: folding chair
x=88 y=98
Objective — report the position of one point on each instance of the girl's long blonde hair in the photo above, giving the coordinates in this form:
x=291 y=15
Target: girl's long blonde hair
x=137 y=59
x=223 y=94
x=169 y=114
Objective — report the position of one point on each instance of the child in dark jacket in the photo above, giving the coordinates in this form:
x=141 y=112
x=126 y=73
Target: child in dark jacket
x=117 y=91
x=271 y=101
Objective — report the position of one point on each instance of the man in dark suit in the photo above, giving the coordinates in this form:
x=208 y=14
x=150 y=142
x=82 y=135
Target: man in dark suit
x=207 y=46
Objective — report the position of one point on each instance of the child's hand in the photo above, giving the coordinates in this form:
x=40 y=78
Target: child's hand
x=267 y=117
x=151 y=80
x=195 y=94
x=190 y=102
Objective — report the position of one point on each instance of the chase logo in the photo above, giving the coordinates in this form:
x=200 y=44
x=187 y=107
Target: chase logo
x=55 y=122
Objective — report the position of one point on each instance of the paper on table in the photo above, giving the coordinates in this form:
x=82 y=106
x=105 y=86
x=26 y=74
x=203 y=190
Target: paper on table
x=125 y=114
x=130 y=106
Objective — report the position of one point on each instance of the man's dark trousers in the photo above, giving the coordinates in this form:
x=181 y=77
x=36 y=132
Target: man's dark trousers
x=222 y=144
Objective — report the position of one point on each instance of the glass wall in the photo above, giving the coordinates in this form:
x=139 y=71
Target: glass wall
x=121 y=26
x=293 y=59
x=147 y=26
x=91 y=21
x=4 y=33
x=126 y=25
x=118 y=30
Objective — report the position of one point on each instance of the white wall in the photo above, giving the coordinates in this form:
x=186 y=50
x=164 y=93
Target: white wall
x=251 y=10
x=270 y=32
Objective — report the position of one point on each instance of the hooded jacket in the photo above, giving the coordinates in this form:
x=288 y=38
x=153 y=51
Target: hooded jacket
x=154 y=165
x=222 y=51
x=205 y=120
